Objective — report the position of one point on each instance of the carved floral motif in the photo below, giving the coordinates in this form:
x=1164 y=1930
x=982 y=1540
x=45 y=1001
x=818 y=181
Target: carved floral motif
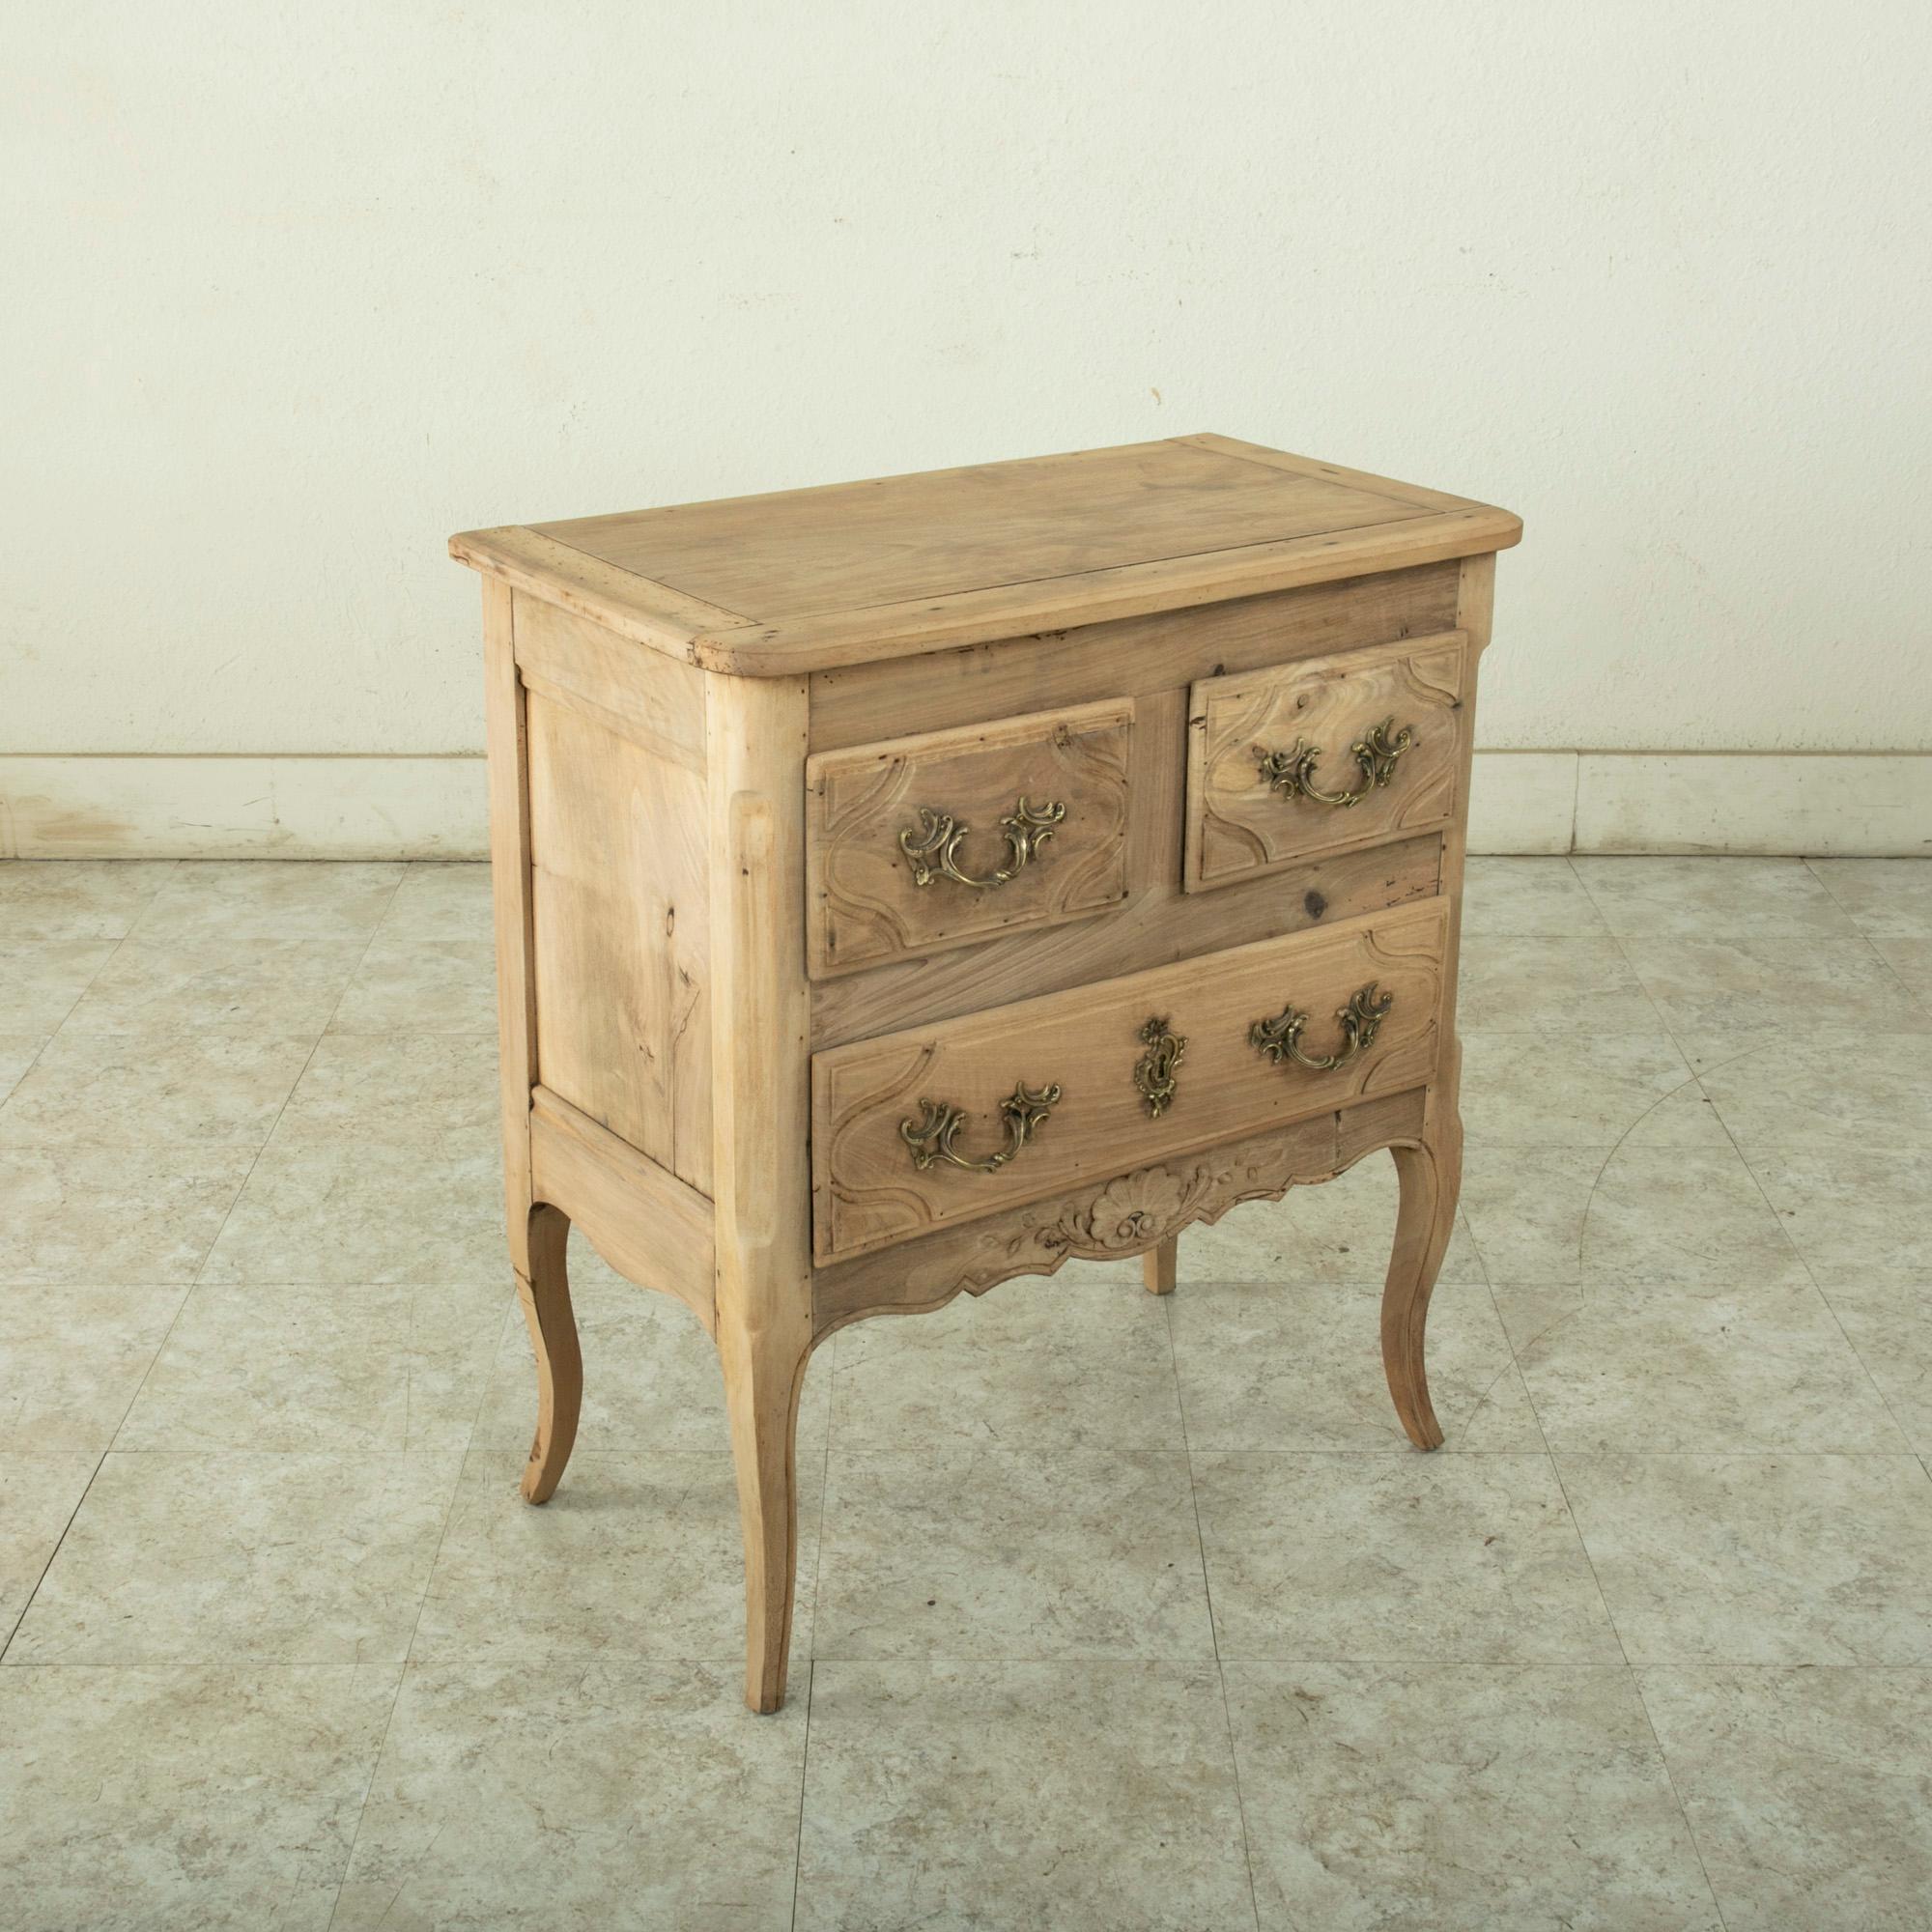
x=1134 y=1212
x=1123 y=1216
x=1129 y=1213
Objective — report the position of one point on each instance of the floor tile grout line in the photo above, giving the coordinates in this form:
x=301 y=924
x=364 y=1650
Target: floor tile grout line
x=113 y=953
x=1631 y=1677
x=1683 y=1809
x=201 y=1271
x=1871 y=942
x=197 y=1278
x=1555 y=1470
x=134 y=925
x=140 y=1387
x=27 y=1601
x=1628 y=1668
x=461 y=1464
x=1596 y=1579
x=1770 y=1207
x=1208 y=1595
x=1851 y=920
x=460 y=1461
x=1886 y=967
x=1663 y=1026
x=154 y=897
x=208 y=1253
x=1636 y=1683
x=804 y=1782
x=1905 y=1435
x=335 y=1006
x=1597 y=1179
x=100 y=1461
x=831 y=1344
x=1696 y=1079
x=40 y=1050
x=1390 y=1452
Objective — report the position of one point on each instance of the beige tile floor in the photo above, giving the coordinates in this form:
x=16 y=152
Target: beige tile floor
x=1114 y=1613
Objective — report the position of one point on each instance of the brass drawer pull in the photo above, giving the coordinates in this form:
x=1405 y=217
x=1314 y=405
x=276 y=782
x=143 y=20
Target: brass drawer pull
x=1155 y=1069
x=932 y=847
x=1292 y=772
x=1280 y=1038
x=930 y=1139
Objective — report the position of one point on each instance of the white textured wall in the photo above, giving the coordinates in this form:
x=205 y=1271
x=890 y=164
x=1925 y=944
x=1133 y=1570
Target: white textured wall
x=295 y=291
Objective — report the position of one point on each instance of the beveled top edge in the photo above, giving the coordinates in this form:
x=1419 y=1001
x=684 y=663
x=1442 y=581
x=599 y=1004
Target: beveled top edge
x=1429 y=526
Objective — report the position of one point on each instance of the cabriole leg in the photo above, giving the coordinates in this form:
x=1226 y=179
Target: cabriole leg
x=1430 y=1176
x=762 y=1129
x=545 y=1293
x=763 y=1375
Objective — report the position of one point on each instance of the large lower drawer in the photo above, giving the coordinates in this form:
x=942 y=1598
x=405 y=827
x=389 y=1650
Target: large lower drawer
x=913 y=1130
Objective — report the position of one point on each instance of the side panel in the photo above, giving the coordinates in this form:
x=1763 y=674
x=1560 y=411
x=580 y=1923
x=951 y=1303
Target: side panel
x=620 y=904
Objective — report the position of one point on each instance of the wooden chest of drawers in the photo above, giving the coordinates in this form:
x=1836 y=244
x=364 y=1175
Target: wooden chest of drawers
x=908 y=885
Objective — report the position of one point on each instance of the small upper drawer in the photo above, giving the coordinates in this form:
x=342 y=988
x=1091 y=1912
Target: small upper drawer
x=918 y=844
x=1338 y=750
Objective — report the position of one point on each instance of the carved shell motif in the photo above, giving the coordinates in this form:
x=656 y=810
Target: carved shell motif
x=1128 y=1213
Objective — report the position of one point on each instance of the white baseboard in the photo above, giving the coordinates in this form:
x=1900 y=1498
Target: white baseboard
x=1825 y=804
x=267 y=807
x=1830 y=805
x=1867 y=804
x=1522 y=801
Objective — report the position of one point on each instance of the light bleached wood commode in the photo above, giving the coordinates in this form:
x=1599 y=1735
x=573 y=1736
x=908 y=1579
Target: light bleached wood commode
x=907 y=885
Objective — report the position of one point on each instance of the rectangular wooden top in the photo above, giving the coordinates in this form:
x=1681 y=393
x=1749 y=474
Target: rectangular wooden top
x=809 y=579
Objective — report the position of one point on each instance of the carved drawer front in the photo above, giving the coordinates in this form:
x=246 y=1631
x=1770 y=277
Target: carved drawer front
x=1331 y=751
x=915 y=1130
x=915 y=844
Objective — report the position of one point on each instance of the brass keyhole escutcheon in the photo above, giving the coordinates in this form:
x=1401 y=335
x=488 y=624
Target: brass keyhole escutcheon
x=1155 y=1069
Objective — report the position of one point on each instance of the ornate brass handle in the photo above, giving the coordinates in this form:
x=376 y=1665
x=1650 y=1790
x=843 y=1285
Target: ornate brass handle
x=1155 y=1069
x=932 y=847
x=931 y=1138
x=1280 y=1038
x=1292 y=772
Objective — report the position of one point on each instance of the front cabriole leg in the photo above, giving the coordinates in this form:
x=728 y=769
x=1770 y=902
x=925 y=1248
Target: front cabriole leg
x=1430 y=1176
x=760 y=1015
